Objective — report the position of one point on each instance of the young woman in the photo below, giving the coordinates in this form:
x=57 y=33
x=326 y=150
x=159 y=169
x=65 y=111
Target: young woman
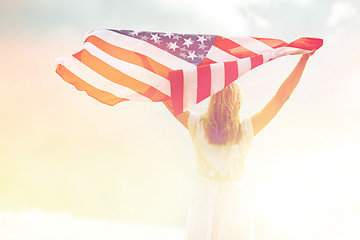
x=221 y=209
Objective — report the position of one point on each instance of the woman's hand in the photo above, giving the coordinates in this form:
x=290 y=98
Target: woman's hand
x=306 y=56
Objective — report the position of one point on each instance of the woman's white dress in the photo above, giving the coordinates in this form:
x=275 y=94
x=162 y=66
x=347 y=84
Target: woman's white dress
x=220 y=208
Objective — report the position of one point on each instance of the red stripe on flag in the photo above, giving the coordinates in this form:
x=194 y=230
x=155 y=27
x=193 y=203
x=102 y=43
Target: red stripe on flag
x=203 y=83
x=274 y=43
x=307 y=43
x=231 y=72
x=130 y=56
x=207 y=61
x=256 y=61
x=81 y=85
x=177 y=90
x=117 y=76
x=155 y=95
x=232 y=48
x=77 y=56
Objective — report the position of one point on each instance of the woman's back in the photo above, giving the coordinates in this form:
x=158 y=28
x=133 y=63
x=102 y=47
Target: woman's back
x=221 y=207
x=220 y=162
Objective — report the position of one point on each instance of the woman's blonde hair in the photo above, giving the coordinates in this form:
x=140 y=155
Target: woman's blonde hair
x=222 y=121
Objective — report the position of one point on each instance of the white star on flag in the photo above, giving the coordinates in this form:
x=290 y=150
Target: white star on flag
x=201 y=56
x=173 y=46
x=155 y=37
x=208 y=37
x=183 y=55
x=192 y=55
x=187 y=42
x=201 y=39
x=168 y=35
x=145 y=38
x=134 y=33
x=202 y=46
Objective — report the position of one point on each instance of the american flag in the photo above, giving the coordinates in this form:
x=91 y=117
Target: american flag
x=181 y=69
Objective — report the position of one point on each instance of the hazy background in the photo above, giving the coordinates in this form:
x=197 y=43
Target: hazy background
x=71 y=167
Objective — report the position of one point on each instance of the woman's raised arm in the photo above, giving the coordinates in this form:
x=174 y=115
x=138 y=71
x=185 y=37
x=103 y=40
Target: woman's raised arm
x=262 y=118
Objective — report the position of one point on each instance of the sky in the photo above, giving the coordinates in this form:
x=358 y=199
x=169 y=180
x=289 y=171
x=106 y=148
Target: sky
x=64 y=157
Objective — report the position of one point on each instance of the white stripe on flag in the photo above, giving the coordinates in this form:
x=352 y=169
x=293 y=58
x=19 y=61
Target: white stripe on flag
x=266 y=56
x=140 y=46
x=190 y=87
x=282 y=51
x=217 y=77
x=98 y=81
x=218 y=55
x=252 y=44
x=132 y=70
x=244 y=65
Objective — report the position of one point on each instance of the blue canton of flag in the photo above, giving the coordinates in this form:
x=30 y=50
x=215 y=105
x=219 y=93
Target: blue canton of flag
x=189 y=47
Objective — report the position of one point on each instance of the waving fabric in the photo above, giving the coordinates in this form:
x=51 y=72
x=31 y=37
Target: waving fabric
x=181 y=69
